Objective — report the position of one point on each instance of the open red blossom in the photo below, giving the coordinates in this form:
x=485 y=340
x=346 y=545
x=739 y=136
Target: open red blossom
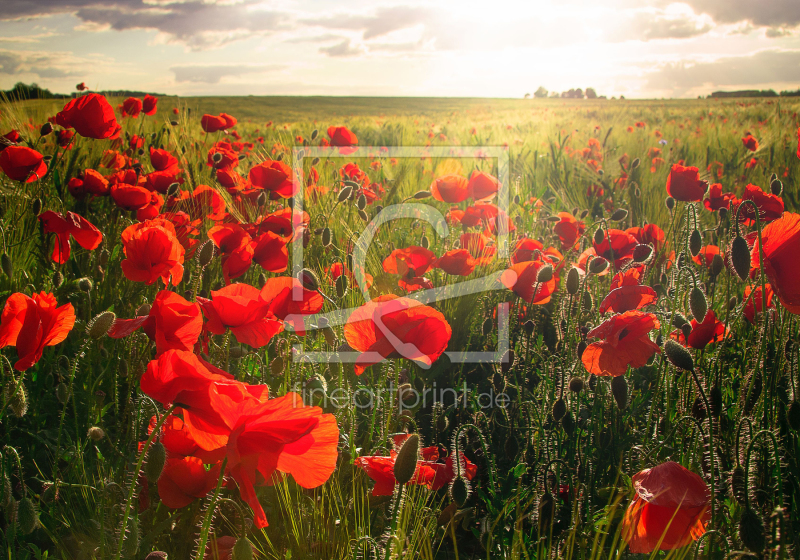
x=230 y=121
x=152 y=251
x=671 y=509
x=750 y=143
x=716 y=198
x=626 y=298
x=569 y=229
x=629 y=277
x=344 y=138
x=172 y=322
x=273 y=176
x=770 y=207
x=131 y=107
x=362 y=280
x=478 y=246
x=289 y=301
x=526 y=249
x=684 y=184
x=71 y=225
x=482 y=186
x=458 y=262
x=650 y=234
x=617 y=247
x=20 y=163
x=222 y=156
x=521 y=278
x=163 y=160
x=450 y=188
x=236 y=247
x=91 y=116
x=781 y=248
x=625 y=342
x=185 y=479
x=94 y=183
x=211 y=123
x=709 y=331
x=130 y=197
x=149 y=105
x=391 y=326
x=31 y=323
x=410 y=262
x=270 y=252
x=241 y=309
x=706 y=255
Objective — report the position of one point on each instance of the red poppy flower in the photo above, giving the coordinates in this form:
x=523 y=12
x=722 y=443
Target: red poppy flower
x=211 y=123
x=236 y=247
x=781 y=247
x=131 y=107
x=706 y=255
x=716 y=198
x=410 y=262
x=626 y=298
x=64 y=138
x=274 y=176
x=482 y=186
x=750 y=143
x=152 y=251
x=163 y=160
x=344 y=138
x=617 y=247
x=230 y=121
x=20 y=163
x=629 y=277
x=770 y=207
x=270 y=252
x=130 y=197
x=222 y=156
x=650 y=234
x=94 y=183
x=185 y=479
x=450 y=188
x=625 y=343
x=522 y=279
x=71 y=225
x=172 y=322
x=671 y=509
x=391 y=326
x=241 y=309
x=289 y=301
x=31 y=323
x=568 y=230
x=684 y=184
x=149 y=105
x=525 y=250
x=363 y=280
x=478 y=246
x=711 y=330
x=458 y=262
x=91 y=116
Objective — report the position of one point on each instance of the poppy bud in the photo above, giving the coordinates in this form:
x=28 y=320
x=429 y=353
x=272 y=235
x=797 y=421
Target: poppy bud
x=642 y=253
x=776 y=187
x=553 y=219
x=143 y=309
x=733 y=302
x=529 y=326
x=486 y=328
x=698 y=304
x=507 y=361
x=635 y=163
x=27 y=516
x=678 y=320
x=156 y=555
x=516 y=199
x=326 y=237
x=598 y=265
x=156 y=457
x=341 y=286
x=217 y=157
x=588 y=302
x=236 y=352
x=568 y=423
x=670 y=202
x=619 y=215
x=85 y=284
x=421 y=195
x=7 y=266
x=330 y=336
x=699 y=409
x=544 y=274
x=546 y=510
x=695 y=243
x=723 y=213
x=573 y=281
x=739 y=484
x=276 y=366
x=717 y=264
x=584 y=213
x=599 y=236
x=686 y=329
x=460 y=491
x=96 y=433
x=173 y=123
x=581 y=347
x=17 y=398
x=205 y=254
x=36 y=206
x=793 y=416
x=345 y=193
x=99 y=326
x=576 y=384
x=559 y=409
x=424 y=243
x=751 y=530
x=242 y=550
x=678 y=355
x=58 y=279
x=740 y=257
x=406 y=463
x=308 y=279
x=715 y=400
x=46 y=129
x=619 y=389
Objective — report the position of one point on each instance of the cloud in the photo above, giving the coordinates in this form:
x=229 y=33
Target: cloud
x=343 y=49
x=212 y=74
x=42 y=64
x=758 y=70
x=383 y=22
x=765 y=13
x=649 y=25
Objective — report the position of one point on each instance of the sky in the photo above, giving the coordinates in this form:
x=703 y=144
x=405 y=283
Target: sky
x=497 y=48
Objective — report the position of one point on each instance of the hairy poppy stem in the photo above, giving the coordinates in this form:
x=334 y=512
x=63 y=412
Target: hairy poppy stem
x=212 y=506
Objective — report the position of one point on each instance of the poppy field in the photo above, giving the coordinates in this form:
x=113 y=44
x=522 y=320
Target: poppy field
x=454 y=329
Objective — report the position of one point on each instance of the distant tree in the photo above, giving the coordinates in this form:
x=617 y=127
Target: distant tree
x=25 y=91
x=579 y=93
x=540 y=93
x=555 y=94
x=591 y=93
x=527 y=96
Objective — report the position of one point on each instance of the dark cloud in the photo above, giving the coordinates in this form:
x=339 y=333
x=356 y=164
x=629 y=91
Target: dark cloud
x=765 y=67
x=763 y=13
x=198 y=24
x=343 y=49
x=44 y=65
x=385 y=20
x=212 y=74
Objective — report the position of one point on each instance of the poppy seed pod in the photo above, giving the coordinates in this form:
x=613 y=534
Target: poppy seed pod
x=619 y=389
x=85 y=284
x=698 y=304
x=573 y=281
x=517 y=200
x=62 y=392
x=58 y=279
x=17 y=397
x=695 y=243
x=576 y=384
x=619 y=215
x=670 y=203
x=96 y=433
x=588 y=302
x=460 y=490
x=99 y=326
x=314 y=134
x=678 y=355
x=406 y=463
x=740 y=257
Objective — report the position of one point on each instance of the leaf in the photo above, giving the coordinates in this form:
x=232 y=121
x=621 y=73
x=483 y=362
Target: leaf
x=519 y=470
